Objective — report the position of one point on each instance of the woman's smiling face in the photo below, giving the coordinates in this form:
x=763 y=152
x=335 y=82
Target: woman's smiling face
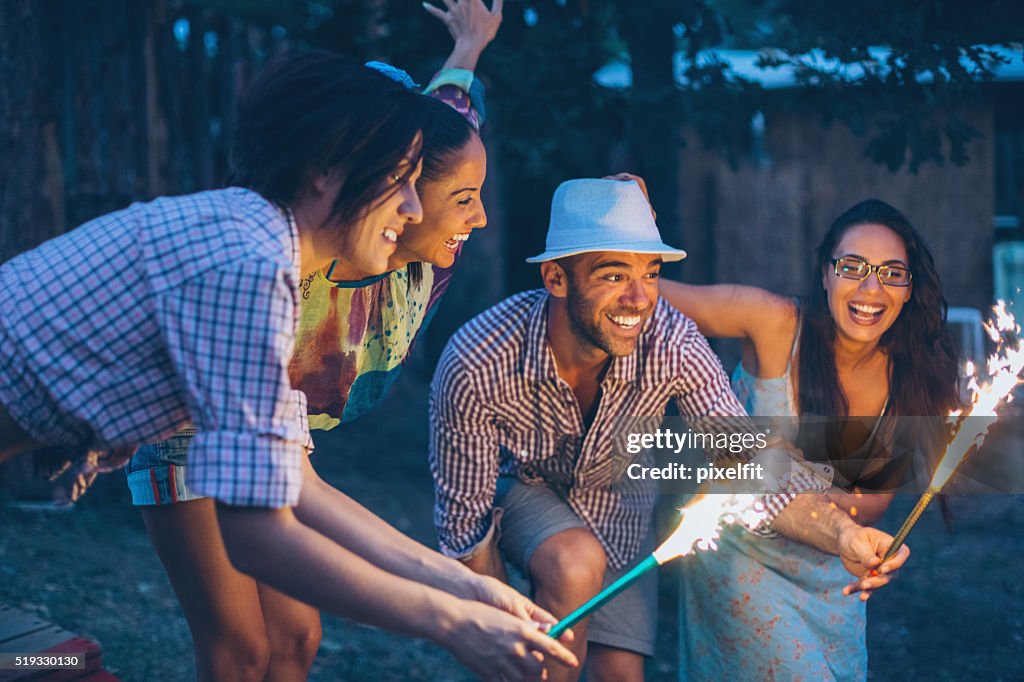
x=451 y=211
x=864 y=310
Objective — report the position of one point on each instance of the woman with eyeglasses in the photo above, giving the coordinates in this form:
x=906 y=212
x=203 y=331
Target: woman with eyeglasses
x=869 y=339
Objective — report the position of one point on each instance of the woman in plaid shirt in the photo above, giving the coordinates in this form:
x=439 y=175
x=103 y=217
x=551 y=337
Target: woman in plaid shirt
x=186 y=309
x=355 y=332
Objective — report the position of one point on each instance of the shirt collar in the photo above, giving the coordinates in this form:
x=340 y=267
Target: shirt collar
x=538 y=362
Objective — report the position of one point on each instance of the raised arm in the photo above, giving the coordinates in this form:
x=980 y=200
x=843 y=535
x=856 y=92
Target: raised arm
x=472 y=27
x=731 y=310
x=278 y=549
x=727 y=310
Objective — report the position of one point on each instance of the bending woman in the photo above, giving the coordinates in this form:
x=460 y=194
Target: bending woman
x=355 y=333
x=327 y=151
x=870 y=339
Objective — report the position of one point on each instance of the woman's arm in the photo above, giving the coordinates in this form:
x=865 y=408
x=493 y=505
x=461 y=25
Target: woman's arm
x=350 y=524
x=276 y=548
x=353 y=526
x=472 y=26
x=730 y=310
x=765 y=322
x=816 y=521
x=864 y=508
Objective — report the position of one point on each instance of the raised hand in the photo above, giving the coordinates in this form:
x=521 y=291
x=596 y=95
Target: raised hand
x=472 y=27
x=627 y=177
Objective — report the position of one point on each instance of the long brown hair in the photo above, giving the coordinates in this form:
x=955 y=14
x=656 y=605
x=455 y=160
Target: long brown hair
x=922 y=354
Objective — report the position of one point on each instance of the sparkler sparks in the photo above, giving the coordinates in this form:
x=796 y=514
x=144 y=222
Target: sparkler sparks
x=1004 y=368
x=700 y=525
x=702 y=520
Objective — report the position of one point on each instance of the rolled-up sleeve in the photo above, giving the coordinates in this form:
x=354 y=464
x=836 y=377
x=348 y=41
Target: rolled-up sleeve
x=462 y=91
x=463 y=458
x=230 y=334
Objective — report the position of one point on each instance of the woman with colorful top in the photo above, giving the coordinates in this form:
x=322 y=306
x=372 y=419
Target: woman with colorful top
x=185 y=309
x=870 y=339
x=355 y=332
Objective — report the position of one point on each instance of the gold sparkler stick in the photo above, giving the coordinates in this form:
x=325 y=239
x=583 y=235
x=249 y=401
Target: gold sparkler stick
x=904 y=531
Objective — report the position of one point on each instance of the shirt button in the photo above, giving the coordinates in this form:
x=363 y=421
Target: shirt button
x=523 y=453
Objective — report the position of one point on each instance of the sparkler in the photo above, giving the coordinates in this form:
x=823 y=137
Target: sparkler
x=1004 y=368
x=699 y=527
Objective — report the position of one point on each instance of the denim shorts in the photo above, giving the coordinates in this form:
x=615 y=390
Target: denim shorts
x=533 y=513
x=156 y=474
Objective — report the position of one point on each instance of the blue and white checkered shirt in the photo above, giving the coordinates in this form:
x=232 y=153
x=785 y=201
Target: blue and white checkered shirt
x=180 y=310
x=498 y=405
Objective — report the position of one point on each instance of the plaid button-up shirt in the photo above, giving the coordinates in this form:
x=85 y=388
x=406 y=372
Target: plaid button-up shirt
x=128 y=327
x=497 y=405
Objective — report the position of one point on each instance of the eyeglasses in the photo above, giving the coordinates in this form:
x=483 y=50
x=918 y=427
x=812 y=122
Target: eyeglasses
x=855 y=268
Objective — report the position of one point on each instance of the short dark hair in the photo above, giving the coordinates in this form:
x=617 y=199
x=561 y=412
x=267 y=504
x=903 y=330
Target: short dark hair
x=315 y=111
x=568 y=264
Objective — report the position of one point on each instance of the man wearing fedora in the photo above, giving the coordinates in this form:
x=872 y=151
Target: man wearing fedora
x=523 y=408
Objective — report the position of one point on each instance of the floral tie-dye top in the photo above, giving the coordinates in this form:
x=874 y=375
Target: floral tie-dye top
x=354 y=337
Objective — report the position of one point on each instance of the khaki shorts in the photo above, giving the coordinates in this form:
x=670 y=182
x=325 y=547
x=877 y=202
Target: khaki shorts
x=533 y=513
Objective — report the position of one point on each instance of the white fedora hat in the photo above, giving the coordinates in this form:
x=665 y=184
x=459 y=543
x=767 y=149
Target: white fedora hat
x=590 y=215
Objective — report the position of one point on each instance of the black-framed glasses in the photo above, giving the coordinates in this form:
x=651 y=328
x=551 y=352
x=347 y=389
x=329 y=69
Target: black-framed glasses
x=849 y=267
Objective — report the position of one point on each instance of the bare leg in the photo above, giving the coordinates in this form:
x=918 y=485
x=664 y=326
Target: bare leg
x=294 y=632
x=227 y=612
x=607 y=664
x=567 y=570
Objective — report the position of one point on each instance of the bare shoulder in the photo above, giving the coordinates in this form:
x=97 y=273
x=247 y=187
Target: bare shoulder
x=773 y=333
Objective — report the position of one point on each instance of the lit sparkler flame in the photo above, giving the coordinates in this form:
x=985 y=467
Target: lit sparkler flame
x=702 y=520
x=700 y=525
x=1004 y=368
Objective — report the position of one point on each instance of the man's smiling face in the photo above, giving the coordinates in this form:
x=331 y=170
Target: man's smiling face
x=610 y=296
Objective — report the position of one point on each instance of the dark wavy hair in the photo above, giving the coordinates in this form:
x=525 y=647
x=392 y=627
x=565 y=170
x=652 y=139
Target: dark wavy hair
x=922 y=354
x=445 y=135
x=315 y=111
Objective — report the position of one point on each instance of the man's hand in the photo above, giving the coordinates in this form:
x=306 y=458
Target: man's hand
x=472 y=27
x=498 y=646
x=861 y=549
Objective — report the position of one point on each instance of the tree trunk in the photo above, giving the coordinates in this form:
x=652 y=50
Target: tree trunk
x=31 y=182
x=651 y=126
